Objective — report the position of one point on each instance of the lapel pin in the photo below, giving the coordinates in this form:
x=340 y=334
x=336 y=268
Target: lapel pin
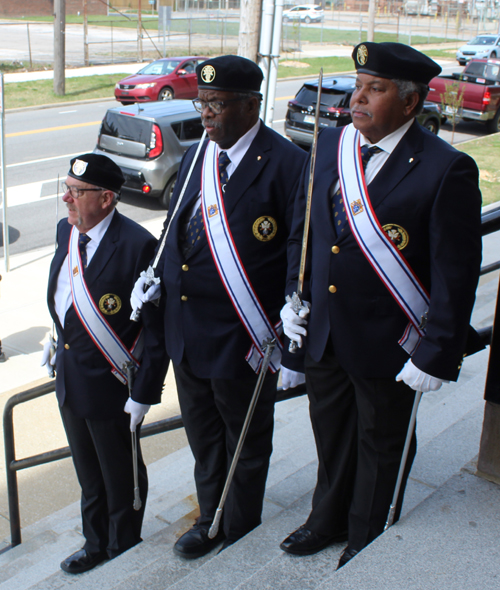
x=259 y=158
x=410 y=160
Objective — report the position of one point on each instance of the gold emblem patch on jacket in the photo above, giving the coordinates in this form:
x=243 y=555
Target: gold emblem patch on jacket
x=397 y=234
x=265 y=228
x=110 y=304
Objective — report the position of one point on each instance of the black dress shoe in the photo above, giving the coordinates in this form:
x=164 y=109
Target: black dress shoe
x=82 y=561
x=346 y=556
x=306 y=542
x=195 y=543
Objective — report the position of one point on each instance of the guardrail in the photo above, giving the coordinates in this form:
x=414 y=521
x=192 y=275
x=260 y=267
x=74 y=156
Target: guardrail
x=490 y=224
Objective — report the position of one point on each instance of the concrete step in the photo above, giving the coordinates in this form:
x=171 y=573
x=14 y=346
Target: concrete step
x=449 y=542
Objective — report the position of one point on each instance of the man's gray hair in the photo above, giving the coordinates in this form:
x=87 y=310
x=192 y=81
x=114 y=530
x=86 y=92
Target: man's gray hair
x=406 y=87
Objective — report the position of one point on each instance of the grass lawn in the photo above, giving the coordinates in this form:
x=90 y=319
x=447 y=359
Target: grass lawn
x=309 y=66
x=38 y=92
x=485 y=151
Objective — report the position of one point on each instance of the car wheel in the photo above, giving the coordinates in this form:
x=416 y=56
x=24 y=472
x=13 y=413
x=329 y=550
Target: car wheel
x=461 y=62
x=493 y=125
x=493 y=55
x=432 y=125
x=166 y=93
x=167 y=192
x=307 y=20
x=126 y=103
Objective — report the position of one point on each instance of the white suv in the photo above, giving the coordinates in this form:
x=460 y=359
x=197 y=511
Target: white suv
x=307 y=13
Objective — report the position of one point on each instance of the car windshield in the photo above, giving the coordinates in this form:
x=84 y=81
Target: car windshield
x=159 y=68
x=482 y=41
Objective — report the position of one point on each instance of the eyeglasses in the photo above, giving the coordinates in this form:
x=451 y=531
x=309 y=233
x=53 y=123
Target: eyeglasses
x=216 y=106
x=76 y=193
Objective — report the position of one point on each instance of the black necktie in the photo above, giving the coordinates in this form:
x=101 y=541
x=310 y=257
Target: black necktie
x=83 y=240
x=196 y=226
x=339 y=214
x=224 y=162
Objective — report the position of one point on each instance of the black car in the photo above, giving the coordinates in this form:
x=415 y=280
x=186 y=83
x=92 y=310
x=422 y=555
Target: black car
x=335 y=112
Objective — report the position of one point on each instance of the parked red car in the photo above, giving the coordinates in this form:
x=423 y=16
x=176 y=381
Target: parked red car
x=163 y=79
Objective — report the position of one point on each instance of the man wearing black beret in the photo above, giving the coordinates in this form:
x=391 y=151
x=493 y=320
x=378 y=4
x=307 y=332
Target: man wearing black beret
x=222 y=274
x=395 y=252
x=99 y=255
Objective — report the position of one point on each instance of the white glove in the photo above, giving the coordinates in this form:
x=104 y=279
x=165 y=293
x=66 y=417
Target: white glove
x=291 y=378
x=137 y=412
x=49 y=356
x=142 y=293
x=417 y=379
x=293 y=323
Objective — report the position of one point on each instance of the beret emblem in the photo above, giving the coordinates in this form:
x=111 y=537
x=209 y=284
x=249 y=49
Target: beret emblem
x=362 y=55
x=208 y=74
x=79 y=167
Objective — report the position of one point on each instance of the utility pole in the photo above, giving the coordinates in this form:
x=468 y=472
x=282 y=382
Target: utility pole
x=371 y=20
x=139 y=32
x=85 y=35
x=59 y=46
x=248 y=40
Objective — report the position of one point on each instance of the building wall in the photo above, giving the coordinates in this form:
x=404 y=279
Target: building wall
x=27 y=8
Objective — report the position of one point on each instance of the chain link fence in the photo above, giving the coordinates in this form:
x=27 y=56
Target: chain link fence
x=121 y=38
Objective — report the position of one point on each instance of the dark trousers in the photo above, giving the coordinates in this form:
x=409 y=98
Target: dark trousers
x=102 y=455
x=360 y=427
x=213 y=411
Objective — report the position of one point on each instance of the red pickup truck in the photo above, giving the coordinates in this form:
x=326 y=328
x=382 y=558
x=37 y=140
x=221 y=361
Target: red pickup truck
x=481 y=98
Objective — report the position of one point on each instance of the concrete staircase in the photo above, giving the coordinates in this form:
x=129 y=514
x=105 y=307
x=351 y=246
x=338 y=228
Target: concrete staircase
x=449 y=427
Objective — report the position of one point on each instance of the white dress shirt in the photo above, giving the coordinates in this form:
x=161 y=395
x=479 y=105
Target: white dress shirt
x=235 y=153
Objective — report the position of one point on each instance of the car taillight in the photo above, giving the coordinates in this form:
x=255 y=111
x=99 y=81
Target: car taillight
x=292 y=103
x=156 y=143
x=486 y=97
x=129 y=114
x=336 y=111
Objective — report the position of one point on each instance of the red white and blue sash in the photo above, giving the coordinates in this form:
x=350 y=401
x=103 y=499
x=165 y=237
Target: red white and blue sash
x=231 y=269
x=383 y=255
x=103 y=335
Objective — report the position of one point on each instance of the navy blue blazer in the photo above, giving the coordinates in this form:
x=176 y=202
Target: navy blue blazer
x=83 y=376
x=430 y=190
x=200 y=320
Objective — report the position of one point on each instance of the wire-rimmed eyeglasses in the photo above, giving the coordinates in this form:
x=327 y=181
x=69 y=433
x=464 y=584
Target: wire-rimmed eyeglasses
x=216 y=106
x=76 y=192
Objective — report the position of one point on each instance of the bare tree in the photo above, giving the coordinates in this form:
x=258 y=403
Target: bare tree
x=452 y=100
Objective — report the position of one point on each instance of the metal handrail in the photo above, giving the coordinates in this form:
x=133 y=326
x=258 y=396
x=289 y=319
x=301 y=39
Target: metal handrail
x=14 y=465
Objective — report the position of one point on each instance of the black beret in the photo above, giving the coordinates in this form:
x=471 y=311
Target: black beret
x=394 y=61
x=97 y=170
x=230 y=73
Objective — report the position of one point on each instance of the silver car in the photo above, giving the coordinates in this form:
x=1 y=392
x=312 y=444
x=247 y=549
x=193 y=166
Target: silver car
x=481 y=47
x=148 y=141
